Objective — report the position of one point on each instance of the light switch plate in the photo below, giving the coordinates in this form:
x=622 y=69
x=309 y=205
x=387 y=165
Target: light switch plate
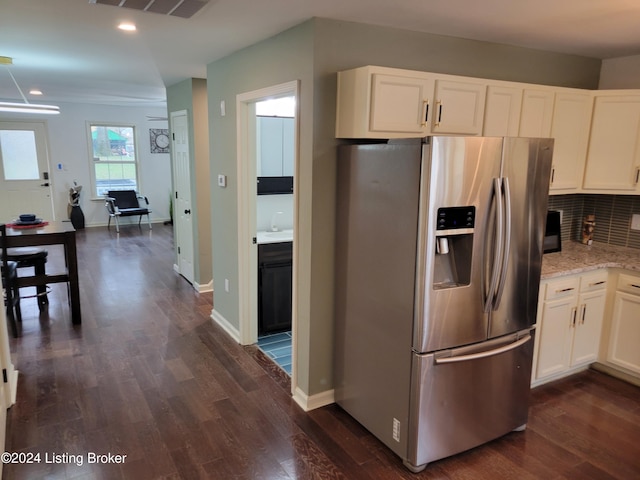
x=222 y=180
x=635 y=222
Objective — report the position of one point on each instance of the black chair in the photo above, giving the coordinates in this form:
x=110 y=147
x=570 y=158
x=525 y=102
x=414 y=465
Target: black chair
x=126 y=203
x=35 y=257
x=10 y=284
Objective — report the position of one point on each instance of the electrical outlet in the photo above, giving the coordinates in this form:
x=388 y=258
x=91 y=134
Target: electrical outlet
x=635 y=221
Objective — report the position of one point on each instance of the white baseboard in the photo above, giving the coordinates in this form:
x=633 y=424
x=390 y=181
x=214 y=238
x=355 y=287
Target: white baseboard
x=226 y=326
x=205 y=287
x=314 y=401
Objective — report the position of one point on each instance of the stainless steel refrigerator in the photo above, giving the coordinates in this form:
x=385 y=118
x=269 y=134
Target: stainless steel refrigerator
x=438 y=252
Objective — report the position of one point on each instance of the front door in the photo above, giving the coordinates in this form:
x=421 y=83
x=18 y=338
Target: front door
x=24 y=171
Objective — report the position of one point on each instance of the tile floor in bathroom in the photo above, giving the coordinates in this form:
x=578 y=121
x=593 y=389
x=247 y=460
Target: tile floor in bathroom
x=278 y=347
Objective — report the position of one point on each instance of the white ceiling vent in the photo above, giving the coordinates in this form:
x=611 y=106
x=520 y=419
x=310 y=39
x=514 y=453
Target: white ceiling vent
x=176 y=8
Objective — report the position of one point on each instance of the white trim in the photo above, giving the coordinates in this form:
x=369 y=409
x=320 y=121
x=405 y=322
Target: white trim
x=205 y=287
x=247 y=252
x=314 y=401
x=225 y=325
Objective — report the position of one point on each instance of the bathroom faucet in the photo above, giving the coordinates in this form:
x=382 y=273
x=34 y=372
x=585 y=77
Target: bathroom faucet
x=274 y=227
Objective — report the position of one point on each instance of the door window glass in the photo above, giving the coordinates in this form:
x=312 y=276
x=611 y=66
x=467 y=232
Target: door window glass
x=19 y=155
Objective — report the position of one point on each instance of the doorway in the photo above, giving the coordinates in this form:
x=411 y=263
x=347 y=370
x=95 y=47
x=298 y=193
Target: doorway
x=249 y=218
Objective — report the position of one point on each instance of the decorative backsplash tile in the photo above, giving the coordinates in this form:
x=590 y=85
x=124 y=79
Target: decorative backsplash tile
x=613 y=217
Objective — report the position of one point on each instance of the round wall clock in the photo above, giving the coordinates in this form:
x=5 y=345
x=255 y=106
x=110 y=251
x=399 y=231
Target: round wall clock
x=159 y=138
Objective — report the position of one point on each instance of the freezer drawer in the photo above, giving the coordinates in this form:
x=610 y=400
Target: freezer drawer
x=464 y=397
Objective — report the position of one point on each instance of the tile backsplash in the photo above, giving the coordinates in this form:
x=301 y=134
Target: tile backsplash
x=613 y=217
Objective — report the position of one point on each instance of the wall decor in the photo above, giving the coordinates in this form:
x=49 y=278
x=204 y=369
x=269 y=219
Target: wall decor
x=159 y=138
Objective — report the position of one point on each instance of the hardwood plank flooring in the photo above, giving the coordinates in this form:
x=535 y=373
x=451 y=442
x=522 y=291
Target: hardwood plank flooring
x=148 y=375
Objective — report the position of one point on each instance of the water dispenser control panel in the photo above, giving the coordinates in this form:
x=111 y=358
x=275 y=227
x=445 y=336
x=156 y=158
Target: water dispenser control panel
x=453 y=218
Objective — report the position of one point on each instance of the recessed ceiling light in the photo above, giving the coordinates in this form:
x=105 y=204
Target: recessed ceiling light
x=35 y=92
x=127 y=27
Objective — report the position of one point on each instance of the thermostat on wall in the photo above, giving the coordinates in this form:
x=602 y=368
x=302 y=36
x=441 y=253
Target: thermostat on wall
x=222 y=180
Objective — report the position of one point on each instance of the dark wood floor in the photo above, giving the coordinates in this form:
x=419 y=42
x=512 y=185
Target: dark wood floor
x=149 y=376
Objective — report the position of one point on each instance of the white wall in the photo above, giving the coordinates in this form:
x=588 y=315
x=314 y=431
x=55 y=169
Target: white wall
x=69 y=146
x=269 y=205
x=621 y=72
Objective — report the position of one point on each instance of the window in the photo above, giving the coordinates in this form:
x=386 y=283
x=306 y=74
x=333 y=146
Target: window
x=114 y=165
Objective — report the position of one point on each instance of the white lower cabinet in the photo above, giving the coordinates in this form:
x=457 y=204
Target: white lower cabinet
x=569 y=324
x=624 y=339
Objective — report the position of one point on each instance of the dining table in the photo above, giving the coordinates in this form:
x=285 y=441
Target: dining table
x=51 y=233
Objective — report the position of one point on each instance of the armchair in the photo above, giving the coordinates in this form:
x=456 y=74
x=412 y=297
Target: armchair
x=126 y=203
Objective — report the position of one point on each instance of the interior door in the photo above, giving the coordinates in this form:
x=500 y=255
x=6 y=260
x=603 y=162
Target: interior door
x=24 y=171
x=182 y=195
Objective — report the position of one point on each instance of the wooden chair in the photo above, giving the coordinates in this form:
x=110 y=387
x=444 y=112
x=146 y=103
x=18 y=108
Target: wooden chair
x=10 y=284
x=126 y=203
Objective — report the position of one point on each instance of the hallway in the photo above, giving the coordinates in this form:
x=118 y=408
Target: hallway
x=148 y=375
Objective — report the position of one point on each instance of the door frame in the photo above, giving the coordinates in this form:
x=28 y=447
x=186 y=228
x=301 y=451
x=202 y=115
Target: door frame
x=247 y=250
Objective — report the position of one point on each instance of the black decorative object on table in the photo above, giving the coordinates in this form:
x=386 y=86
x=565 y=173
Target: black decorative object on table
x=75 y=212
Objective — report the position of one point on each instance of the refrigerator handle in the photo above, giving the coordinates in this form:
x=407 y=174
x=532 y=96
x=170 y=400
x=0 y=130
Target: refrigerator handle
x=488 y=353
x=497 y=253
x=507 y=243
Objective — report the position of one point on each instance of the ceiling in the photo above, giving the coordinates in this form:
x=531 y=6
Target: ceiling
x=72 y=51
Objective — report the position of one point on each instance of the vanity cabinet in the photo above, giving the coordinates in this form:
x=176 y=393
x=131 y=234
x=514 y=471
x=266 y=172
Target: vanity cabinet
x=624 y=339
x=274 y=287
x=569 y=324
x=613 y=161
x=380 y=102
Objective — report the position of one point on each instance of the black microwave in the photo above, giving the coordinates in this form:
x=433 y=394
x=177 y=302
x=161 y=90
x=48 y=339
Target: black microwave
x=552 y=234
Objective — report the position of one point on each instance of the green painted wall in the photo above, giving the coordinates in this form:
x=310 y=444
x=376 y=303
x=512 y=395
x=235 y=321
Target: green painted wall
x=191 y=95
x=312 y=53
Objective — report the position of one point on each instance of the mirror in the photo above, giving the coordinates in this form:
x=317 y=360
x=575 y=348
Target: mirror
x=275 y=133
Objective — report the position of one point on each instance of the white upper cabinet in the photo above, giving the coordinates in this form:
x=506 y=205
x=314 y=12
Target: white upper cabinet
x=570 y=129
x=459 y=107
x=502 y=111
x=400 y=104
x=379 y=102
x=536 y=114
x=613 y=161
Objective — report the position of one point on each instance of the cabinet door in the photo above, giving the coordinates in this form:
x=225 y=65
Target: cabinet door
x=613 y=162
x=586 y=337
x=624 y=343
x=570 y=129
x=459 y=107
x=536 y=114
x=400 y=104
x=555 y=336
x=502 y=111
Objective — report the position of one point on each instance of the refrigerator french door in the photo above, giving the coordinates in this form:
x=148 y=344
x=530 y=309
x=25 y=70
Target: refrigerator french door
x=438 y=247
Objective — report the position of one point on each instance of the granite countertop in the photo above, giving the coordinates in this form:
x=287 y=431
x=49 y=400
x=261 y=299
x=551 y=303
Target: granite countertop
x=578 y=258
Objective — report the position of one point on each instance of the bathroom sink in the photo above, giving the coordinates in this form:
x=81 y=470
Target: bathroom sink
x=274 y=237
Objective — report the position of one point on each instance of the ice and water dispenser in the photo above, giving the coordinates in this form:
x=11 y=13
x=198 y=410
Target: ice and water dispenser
x=454 y=245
